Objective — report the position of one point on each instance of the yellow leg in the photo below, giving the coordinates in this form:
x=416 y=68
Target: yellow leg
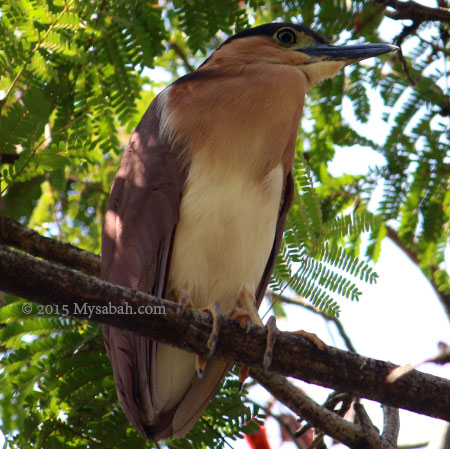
x=270 y=342
x=246 y=300
x=247 y=313
x=201 y=360
x=217 y=323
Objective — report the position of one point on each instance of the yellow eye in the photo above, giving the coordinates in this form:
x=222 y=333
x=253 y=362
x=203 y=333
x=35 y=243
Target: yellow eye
x=286 y=36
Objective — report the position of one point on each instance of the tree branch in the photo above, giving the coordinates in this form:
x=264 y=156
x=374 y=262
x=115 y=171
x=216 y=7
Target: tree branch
x=50 y=284
x=333 y=425
x=12 y=233
x=391 y=424
x=179 y=52
x=415 y=11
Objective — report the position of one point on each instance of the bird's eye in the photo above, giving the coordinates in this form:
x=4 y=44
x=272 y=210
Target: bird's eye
x=286 y=36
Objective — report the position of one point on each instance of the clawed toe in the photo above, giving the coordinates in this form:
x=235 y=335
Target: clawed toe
x=270 y=342
x=243 y=375
x=313 y=338
x=217 y=323
x=200 y=365
x=242 y=316
x=183 y=303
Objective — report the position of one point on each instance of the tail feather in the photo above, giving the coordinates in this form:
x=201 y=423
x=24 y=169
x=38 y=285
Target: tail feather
x=133 y=359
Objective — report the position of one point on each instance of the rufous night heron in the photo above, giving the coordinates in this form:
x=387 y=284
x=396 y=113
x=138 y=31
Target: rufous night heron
x=198 y=205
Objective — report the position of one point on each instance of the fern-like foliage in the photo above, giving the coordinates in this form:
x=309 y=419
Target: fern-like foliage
x=56 y=385
x=226 y=417
x=313 y=262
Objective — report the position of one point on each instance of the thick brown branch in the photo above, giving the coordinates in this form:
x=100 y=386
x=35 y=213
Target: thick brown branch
x=12 y=233
x=415 y=11
x=294 y=356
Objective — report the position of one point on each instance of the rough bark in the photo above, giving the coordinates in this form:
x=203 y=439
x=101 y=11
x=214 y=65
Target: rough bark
x=415 y=11
x=47 y=283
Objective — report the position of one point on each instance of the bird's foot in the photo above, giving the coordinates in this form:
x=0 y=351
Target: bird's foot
x=200 y=365
x=242 y=316
x=246 y=301
x=243 y=375
x=246 y=315
x=272 y=331
x=217 y=323
x=183 y=303
x=200 y=359
x=313 y=338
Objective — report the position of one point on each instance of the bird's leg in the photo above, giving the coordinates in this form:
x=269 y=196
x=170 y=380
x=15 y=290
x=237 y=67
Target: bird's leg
x=246 y=302
x=200 y=359
x=271 y=338
x=182 y=299
x=271 y=326
x=247 y=313
x=217 y=323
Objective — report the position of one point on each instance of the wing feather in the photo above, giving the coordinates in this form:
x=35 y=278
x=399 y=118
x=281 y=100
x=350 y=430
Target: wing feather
x=140 y=221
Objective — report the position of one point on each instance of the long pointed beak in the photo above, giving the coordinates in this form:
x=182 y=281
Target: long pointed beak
x=325 y=52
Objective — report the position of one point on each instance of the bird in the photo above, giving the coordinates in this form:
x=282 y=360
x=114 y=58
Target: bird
x=198 y=206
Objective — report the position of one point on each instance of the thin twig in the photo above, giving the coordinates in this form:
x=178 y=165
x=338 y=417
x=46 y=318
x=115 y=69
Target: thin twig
x=180 y=53
x=330 y=423
x=413 y=446
x=35 y=49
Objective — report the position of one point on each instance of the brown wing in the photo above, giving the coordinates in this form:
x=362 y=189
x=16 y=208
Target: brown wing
x=288 y=196
x=138 y=230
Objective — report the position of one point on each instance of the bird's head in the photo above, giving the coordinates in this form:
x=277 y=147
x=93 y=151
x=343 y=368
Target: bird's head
x=291 y=45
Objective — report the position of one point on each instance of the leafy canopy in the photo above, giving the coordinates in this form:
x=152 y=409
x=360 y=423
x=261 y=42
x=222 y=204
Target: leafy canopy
x=74 y=82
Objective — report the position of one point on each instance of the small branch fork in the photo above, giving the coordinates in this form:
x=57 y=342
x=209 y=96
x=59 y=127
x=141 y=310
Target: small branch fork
x=415 y=11
x=50 y=284
x=351 y=434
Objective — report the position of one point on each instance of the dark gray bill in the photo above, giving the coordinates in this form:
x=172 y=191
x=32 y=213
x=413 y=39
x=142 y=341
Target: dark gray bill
x=337 y=52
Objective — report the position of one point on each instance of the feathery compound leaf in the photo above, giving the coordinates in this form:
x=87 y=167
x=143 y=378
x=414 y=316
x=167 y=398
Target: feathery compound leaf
x=307 y=263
